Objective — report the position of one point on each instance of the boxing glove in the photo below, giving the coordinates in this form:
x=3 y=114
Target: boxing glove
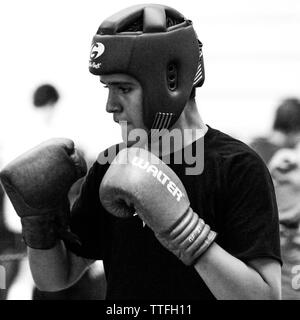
x=139 y=182
x=37 y=183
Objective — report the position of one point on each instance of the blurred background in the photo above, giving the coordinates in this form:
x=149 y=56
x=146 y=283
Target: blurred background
x=251 y=56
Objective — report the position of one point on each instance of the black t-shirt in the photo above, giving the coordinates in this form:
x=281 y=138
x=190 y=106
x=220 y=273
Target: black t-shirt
x=234 y=195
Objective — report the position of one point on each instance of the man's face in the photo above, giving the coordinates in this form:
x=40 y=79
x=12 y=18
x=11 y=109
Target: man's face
x=125 y=101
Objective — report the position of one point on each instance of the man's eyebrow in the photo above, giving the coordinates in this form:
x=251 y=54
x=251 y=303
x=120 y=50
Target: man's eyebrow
x=116 y=83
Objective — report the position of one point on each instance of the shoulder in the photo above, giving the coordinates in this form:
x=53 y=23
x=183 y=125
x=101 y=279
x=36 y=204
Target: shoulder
x=237 y=163
x=231 y=152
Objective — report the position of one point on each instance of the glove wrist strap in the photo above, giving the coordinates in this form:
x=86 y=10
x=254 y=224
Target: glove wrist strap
x=190 y=238
x=43 y=232
x=39 y=232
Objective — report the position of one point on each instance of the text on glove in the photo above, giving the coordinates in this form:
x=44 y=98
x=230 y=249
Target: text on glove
x=159 y=175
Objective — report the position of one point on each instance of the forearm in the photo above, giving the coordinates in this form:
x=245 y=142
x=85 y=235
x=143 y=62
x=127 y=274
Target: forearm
x=228 y=278
x=55 y=269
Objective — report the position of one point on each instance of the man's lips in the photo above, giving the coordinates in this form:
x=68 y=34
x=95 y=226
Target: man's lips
x=124 y=124
x=123 y=121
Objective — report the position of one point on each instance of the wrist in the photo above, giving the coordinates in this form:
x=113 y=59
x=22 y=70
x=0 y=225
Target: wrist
x=207 y=244
x=39 y=232
x=189 y=238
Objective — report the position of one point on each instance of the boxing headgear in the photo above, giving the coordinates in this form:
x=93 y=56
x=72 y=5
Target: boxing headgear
x=167 y=61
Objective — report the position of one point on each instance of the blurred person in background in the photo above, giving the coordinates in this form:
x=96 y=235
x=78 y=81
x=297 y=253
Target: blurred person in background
x=281 y=152
x=285 y=170
x=285 y=131
x=45 y=98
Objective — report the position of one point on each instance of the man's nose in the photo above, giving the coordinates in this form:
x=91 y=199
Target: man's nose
x=112 y=104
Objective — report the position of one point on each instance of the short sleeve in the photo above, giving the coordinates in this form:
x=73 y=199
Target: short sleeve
x=251 y=224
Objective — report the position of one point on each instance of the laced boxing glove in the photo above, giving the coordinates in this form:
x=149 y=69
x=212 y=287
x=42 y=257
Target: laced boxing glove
x=138 y=182
x=37 y=183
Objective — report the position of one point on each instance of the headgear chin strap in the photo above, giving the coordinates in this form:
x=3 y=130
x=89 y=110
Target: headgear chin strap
x=165 y=60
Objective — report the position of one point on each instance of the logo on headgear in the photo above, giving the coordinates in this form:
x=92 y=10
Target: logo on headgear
x=97 y=50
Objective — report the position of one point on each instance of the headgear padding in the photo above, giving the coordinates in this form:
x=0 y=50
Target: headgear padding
x=165 y=60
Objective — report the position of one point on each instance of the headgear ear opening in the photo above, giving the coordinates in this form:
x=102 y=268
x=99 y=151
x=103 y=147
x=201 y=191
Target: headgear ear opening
x=172 y=76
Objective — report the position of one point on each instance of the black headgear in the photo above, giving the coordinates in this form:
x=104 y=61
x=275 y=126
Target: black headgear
x=167 y=61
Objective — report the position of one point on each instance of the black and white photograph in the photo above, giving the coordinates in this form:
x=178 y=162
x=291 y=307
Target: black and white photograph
x=150 y=152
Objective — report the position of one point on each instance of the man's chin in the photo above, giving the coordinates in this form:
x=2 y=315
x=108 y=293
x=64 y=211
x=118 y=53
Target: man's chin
x=137 y=143
x=135 y=137
x=130 y=143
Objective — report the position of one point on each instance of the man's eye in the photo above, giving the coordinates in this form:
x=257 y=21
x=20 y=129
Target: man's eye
x=125 y=89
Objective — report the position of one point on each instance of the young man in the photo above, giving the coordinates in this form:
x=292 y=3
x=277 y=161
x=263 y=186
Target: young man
x=149 y=58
